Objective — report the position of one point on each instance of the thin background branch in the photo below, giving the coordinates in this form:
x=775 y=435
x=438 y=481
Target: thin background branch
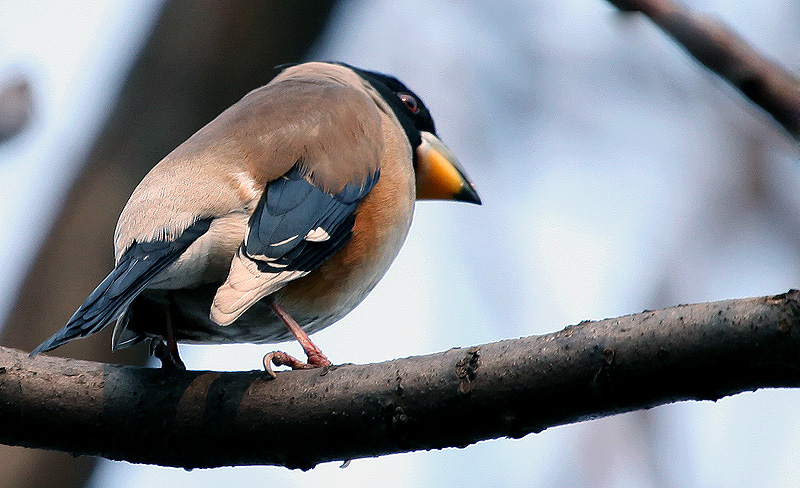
x=724 y=52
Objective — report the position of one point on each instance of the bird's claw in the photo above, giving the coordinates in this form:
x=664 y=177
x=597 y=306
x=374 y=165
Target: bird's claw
x=169 y=359
x=280 y=358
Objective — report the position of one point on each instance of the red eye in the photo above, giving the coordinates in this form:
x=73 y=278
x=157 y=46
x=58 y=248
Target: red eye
x=409 y=102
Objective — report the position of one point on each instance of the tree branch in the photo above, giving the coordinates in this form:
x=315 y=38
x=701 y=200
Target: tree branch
x=453 y=398
x=724 y=52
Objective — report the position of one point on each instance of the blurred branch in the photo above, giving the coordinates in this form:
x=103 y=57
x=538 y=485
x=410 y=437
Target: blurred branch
x=724 y=52
x=16 y=107
x=454 y=398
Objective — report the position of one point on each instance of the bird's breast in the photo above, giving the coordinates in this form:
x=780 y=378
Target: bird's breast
x=382 y=221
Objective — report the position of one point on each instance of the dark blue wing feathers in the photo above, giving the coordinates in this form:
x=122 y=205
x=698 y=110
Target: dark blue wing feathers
x=287 y=192
x=315 y=253
x=136 y=269
x=293 y=206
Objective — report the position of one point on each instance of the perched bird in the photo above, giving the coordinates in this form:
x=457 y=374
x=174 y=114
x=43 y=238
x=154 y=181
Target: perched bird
x=275 y=219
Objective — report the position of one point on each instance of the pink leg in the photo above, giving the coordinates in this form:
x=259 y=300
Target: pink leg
x=315 y=357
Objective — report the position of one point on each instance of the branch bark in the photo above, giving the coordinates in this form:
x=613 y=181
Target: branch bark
x=724 y=52
x=449 y=399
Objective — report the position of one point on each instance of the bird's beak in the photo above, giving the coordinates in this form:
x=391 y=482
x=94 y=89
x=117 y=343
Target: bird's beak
x=440 y=175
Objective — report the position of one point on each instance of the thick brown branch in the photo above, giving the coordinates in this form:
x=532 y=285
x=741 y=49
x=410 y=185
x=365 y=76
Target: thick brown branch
x=453 y=398
x=721 y=50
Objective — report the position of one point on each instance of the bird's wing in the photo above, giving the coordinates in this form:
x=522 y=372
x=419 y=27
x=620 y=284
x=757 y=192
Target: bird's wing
x=136 y=268
x=295 y=228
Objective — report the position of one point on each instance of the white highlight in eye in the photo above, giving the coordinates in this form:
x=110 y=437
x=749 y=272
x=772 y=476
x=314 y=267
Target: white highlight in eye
x=276 y=244
x=317 y=235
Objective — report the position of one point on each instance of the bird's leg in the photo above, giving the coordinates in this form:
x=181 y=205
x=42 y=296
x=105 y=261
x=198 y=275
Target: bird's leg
x=315 y=357
x=167 y=350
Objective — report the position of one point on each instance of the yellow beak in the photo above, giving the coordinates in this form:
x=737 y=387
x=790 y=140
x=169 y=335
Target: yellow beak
x=440 y=175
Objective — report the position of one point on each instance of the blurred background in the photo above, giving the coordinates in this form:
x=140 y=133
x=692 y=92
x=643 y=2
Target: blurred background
x=616 y=174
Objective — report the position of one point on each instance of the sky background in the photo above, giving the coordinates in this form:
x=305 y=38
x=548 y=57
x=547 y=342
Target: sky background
x=616 y=175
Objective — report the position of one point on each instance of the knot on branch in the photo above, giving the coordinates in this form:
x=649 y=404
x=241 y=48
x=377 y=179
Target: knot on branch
x=467 y=369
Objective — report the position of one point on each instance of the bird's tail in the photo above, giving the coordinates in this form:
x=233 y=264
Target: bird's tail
x=135 y=270
x=106 y=303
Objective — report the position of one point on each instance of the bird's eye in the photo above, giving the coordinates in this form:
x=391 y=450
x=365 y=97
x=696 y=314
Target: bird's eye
x=410 y=102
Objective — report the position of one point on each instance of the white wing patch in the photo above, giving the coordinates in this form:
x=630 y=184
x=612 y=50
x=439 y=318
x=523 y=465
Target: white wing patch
x=317 y=235
x=276 y=244
x=246 y=284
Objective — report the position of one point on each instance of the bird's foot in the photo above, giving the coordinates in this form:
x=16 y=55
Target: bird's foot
x=316 y=359
x=169 y=357
x=166 y=348
x=314 y=354
x=280 y=358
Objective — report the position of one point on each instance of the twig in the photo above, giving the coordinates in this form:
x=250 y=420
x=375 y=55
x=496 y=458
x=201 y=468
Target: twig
x=454 y=398
x=724 y=52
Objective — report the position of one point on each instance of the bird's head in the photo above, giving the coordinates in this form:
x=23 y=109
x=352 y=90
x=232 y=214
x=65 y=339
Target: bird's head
x=439 y=174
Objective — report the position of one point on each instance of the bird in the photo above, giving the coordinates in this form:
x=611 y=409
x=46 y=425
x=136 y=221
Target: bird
x=275 y=219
